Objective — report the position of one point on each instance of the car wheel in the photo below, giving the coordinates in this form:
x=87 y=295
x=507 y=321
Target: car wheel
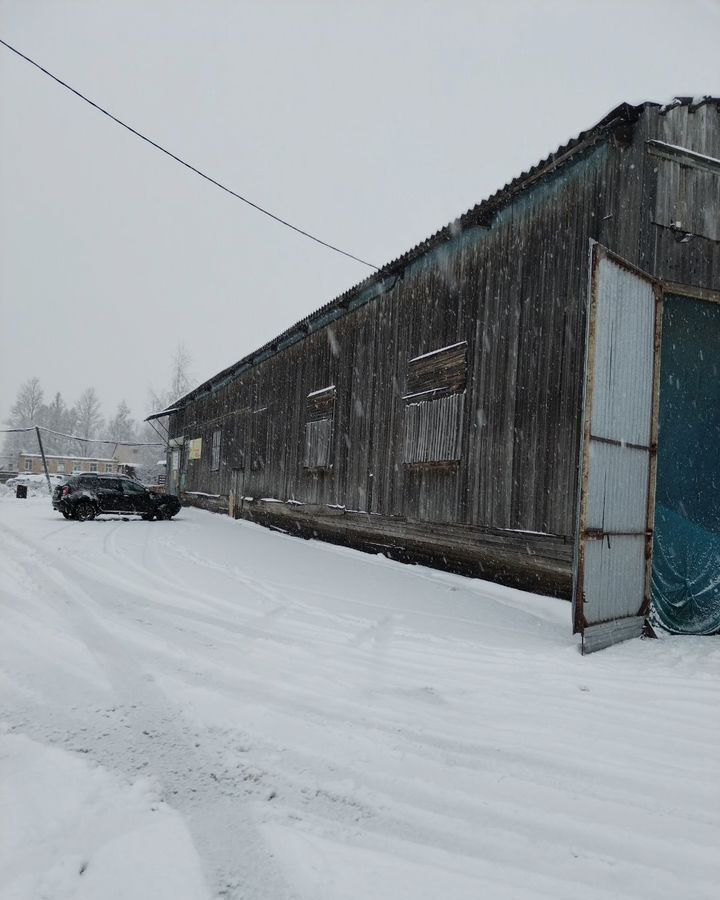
x=84 y=512
x=147 y=517
x=163 y=513
x=67 y=515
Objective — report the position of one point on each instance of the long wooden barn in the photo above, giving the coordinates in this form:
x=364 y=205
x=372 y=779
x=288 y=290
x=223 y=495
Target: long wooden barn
x=531 y=395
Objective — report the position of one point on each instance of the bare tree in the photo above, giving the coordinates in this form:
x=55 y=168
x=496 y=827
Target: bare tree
x=27 y=411
x=28 y=406
x=88 y=419
x=58 y=418
x=181 y=380
x=121 y=427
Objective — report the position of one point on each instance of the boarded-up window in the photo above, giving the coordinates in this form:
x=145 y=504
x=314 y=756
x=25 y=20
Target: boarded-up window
x=434 y=405
x=688 y=191
x=215 y=460
x=319 y=415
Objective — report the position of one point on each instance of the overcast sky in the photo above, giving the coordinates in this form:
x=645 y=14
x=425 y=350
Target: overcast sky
x=370 y=124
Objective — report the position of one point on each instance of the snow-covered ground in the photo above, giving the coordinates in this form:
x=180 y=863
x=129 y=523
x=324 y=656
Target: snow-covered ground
x=204 y=708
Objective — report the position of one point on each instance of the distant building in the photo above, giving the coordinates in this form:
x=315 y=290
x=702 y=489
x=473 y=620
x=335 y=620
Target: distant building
x=128 y=455
x=8 y=465
x=32 y=464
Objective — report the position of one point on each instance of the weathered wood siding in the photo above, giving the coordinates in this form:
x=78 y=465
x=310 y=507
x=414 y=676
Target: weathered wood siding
x=433 y=430
x=513 y=296
x=678 y=192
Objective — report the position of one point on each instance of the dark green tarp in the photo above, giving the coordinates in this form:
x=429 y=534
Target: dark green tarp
x=686 y=554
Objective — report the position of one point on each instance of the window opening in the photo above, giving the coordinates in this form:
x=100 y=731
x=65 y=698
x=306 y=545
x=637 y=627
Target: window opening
x=434 y=405
x=319 y=416
x=215 y=460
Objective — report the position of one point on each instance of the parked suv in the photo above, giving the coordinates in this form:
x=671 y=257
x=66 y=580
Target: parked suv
x=87 y=495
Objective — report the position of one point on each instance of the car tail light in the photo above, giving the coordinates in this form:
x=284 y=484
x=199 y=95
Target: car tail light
x=66 y=490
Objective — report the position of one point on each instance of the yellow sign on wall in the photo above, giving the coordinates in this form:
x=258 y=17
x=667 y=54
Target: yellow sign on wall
x=195 y=449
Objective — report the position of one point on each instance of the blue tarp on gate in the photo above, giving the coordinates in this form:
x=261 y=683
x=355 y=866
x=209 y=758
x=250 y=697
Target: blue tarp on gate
x=686 y=574
x=686 y=548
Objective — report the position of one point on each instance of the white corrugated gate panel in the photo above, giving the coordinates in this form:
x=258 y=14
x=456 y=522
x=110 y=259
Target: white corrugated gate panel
x=617 y=488
x=597 y=637
x=614 y=537
x=614 y=577
x=624 y=340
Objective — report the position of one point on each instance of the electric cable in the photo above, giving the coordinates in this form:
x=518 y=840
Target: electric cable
x=182 y=162
x=76 y=437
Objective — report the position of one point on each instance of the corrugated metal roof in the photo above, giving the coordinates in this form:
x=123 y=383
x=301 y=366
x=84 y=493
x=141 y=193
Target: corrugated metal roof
x=481 y=214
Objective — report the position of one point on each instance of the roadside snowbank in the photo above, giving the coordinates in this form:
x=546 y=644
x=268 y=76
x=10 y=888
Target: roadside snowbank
x=36 y=484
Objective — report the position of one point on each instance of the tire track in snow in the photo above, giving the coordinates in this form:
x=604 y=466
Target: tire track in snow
x=140 y=732
x=409 y=743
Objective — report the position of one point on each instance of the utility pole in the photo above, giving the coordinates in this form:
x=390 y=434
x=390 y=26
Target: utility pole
x=42 y=453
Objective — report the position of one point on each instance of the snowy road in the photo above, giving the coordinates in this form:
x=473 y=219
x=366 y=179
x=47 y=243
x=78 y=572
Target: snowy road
x=204 y=708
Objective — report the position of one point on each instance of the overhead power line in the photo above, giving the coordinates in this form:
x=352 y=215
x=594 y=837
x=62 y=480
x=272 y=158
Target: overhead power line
x=182 y=162
x=85 y=440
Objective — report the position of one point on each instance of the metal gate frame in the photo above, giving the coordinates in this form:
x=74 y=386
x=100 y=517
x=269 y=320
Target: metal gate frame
x=614 y=630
